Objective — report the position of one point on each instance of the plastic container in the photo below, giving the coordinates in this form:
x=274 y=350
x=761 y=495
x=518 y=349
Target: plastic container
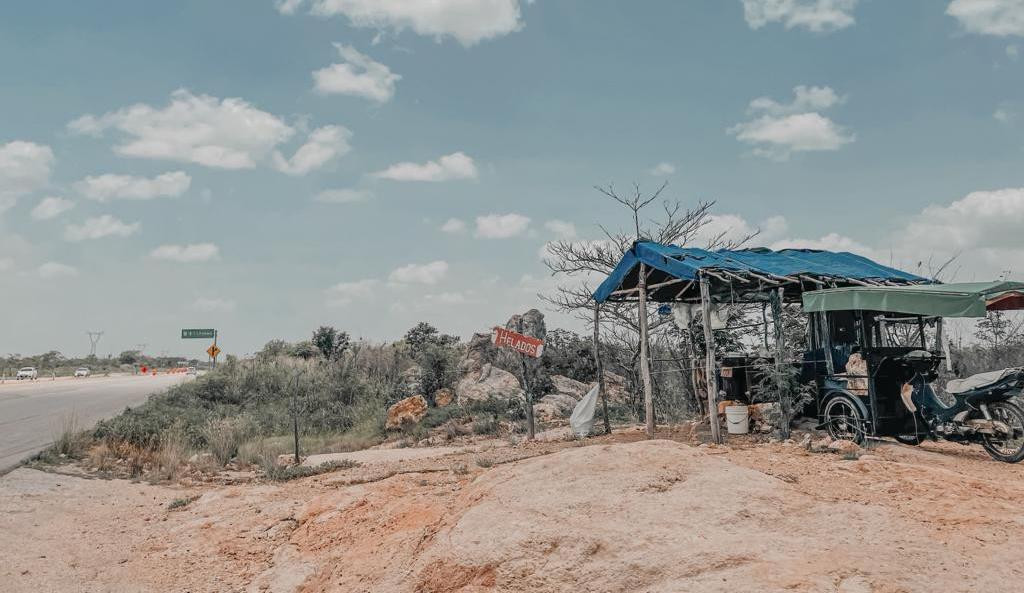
x=737 y=419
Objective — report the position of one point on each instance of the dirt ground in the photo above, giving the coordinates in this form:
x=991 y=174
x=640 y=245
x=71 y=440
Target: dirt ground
x=609 y=514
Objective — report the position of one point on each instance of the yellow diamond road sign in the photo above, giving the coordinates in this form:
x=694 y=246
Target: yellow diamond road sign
x=213 y=351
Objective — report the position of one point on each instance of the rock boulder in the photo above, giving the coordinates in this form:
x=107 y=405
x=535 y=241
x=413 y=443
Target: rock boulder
x=407 y=411
x=569 y=387
x=489 y=382
x=443 y=397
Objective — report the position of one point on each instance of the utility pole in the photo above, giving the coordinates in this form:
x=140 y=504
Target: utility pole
x=94 y=339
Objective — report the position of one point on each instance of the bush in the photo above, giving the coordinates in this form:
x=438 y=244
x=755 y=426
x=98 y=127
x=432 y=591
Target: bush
x=69 y=439
x=224 y=436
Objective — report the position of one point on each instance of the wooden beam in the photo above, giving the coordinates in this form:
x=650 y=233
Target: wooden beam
x=645 y=365
x=625 y=291
x=600 y=367
x=780 y=336
x=709 y=346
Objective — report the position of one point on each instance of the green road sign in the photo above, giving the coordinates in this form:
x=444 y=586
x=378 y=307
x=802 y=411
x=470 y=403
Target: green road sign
x=198 y=333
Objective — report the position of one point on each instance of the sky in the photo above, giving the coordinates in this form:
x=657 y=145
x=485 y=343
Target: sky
x=264 y=167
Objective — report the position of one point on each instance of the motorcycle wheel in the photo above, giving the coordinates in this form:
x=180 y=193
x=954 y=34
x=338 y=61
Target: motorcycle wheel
x=907 y=439
x=843 y=421
x=1006 y=449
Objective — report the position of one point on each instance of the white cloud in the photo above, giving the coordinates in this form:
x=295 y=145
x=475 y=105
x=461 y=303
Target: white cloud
x=829 y=242
x=342 y=196
x=99 y=227
x=561 y=228
x=52 y=269
x=225 y=134
x=457 y=165
x=24 y=168
x=359 y=75
x=213 y=305
x=467 y=21
x=734 y=228
x=322 y=145
x=1004 y=115
x=814 y=15
x=662 y=169
x=195 y=252
x=454 y=225
x=501 y=226
x=51 y=207
x=989 y=17
x=784 y=128
x=981 y=219
x=129 y=187
x=344 y=293
x=430 y=273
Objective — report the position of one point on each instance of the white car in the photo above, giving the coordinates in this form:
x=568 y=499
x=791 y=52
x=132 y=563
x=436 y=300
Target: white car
x=27 y=373
x=82 y=372
x=192 y=371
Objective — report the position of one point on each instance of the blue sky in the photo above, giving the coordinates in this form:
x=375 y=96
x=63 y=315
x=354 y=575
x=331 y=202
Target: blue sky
x=264 y=167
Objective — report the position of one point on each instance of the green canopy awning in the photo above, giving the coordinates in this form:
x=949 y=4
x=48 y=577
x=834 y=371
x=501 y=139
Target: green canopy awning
x=965 y=299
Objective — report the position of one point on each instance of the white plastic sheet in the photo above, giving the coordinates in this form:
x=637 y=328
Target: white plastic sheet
x=582 y=419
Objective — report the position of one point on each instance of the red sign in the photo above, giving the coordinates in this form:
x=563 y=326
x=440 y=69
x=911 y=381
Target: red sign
x=506 y=338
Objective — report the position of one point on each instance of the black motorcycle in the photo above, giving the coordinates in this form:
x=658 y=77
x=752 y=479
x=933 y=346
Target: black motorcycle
x=982 y=411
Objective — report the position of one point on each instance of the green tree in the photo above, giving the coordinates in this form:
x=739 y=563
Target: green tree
x=305 y=350
x=330 y=342
x=423 y=333
x=275 y=348
x=128 y=357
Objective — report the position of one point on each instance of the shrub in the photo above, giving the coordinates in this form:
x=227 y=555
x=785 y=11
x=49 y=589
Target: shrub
x=173 y=451
x=69 y=440
x=180 y=503
x=224 y=436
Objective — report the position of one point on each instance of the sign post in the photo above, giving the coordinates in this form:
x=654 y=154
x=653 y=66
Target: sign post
x=204 y=334
x=527 y=347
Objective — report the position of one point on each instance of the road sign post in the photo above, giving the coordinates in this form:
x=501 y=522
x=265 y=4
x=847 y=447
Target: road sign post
x=204 y=334
x=527 y=347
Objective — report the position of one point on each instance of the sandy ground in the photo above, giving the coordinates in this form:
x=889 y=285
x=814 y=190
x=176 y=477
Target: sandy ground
x=615 y=514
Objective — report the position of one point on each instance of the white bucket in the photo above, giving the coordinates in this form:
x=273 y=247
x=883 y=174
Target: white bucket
x=737 y=419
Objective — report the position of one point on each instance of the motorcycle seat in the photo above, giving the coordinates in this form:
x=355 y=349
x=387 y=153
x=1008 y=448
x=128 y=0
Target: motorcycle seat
x=978 y=381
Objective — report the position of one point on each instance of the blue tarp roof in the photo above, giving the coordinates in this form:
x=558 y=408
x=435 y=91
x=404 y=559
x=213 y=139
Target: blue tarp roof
x=685 y=263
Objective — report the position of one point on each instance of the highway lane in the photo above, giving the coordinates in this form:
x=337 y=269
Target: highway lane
x=32 y=412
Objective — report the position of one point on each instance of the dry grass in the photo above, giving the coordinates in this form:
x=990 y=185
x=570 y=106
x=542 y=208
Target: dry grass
x=172 y=454
x=224 y=436
x=69 y=440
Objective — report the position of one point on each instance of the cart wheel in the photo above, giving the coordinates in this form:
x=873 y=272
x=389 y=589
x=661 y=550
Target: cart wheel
x=1007 y=448
x=843 y=420
x=908 y=439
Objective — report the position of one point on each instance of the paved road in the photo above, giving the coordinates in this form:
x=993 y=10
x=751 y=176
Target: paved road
x=31 y=412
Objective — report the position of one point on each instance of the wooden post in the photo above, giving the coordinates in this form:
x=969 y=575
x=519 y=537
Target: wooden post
x=295 y=417
x=709 y=346
x=645 y=366
x=600 y=367
x=776 y=299
x=530 y=429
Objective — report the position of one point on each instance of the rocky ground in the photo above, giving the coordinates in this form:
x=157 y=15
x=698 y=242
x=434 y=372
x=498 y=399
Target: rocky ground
x=612 y=513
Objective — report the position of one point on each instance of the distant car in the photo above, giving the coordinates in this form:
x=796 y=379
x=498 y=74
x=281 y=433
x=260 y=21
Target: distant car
x=192 y=371
x=27 y=373
x=82 y=372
